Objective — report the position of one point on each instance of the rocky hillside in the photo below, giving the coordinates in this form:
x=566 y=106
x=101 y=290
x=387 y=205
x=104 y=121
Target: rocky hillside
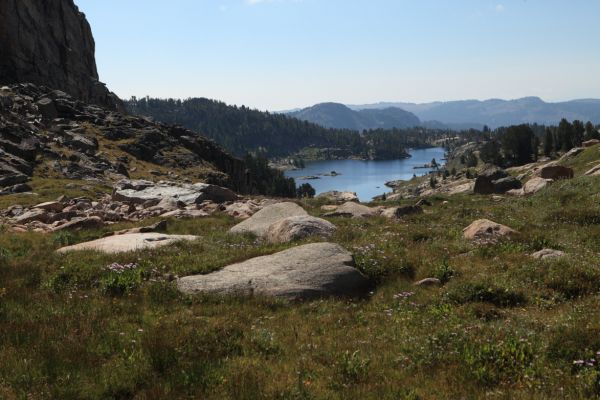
x=48 y=134
x=50 y=43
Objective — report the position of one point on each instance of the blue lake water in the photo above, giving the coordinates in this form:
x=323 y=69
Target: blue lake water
x=366 y=178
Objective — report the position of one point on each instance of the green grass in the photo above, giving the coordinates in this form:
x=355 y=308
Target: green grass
x=503 y=325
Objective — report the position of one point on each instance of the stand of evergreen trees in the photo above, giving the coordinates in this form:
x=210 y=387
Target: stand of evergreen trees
x=241 y=130
x=520 y=144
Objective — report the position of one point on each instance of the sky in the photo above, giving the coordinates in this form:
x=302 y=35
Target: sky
x=284 y=54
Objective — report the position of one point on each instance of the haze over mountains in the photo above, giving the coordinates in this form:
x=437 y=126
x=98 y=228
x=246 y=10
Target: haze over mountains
x=339 y=116
x=462 y=114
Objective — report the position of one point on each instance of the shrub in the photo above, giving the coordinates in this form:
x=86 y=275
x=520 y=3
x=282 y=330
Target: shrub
x=119 y=284
x=63 y=238
x=493 y=363
x=264 y=341
x=444 y=272
x=162 y=292
x=573 y=342
x=485 y=293
x=573 y=281
x=353 y=368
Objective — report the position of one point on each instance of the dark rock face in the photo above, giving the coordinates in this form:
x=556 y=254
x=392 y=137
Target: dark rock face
x=493 y=179
x=483 y=185
x=50 y=43
x=505 y=184
x=556 y=172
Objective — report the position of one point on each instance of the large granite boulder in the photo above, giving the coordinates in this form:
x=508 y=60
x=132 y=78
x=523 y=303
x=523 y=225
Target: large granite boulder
x=299 y=227
x=260 y=222
x=128 y=242
x=309 y=271
x=144 y=192
x=534 y=185
x=486 y=231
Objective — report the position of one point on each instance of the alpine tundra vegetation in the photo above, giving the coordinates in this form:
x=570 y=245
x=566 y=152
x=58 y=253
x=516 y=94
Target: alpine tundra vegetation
x=149 y=248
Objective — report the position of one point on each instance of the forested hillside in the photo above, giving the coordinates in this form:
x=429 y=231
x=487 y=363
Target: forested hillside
x=242 y=130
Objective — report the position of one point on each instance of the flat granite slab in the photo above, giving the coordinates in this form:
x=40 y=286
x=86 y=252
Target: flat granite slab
x=128 y=242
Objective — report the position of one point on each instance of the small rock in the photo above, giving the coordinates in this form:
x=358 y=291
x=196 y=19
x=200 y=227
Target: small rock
x=429 y=282
x=54 y=206
x=182 y=214
x=546 y=254
x=486 y=231
x=37 y=214
x=81 y=223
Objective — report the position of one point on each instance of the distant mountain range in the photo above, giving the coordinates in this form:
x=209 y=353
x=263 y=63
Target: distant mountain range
x=339 y=116
x=452 y=114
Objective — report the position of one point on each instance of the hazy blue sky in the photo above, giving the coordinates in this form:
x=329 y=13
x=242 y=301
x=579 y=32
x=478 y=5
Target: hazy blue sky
x=281 y=54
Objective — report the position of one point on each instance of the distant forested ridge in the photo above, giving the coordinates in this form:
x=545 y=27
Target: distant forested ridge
x=338 y=116
x=242 y=130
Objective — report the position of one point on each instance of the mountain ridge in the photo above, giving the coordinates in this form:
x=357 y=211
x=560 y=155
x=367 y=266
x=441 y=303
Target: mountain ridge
x=340 y=116
x=496 y=112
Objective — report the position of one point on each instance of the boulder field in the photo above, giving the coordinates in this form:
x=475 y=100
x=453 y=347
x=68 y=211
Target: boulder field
x=131 y=201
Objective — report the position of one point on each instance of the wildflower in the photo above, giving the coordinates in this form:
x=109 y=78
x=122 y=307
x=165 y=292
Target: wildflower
x=120 y=268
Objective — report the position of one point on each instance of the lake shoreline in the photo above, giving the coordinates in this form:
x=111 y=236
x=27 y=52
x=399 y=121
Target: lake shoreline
x=367 y=178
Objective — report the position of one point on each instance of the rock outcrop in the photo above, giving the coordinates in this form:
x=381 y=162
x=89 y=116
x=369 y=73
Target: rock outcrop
x=82 y=141
x=146 y=192
x=50 y=43
x=303 y=272
x=353 y=210
x=338 y=197
x=595 y=171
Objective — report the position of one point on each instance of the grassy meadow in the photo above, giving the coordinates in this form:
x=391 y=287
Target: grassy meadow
x=502 y=326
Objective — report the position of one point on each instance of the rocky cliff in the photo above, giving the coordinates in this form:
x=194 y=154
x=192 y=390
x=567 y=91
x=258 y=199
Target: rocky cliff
x=50 y=43
x=45 y=133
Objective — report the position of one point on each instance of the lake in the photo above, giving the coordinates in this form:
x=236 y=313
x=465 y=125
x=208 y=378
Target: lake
x=366 y=178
